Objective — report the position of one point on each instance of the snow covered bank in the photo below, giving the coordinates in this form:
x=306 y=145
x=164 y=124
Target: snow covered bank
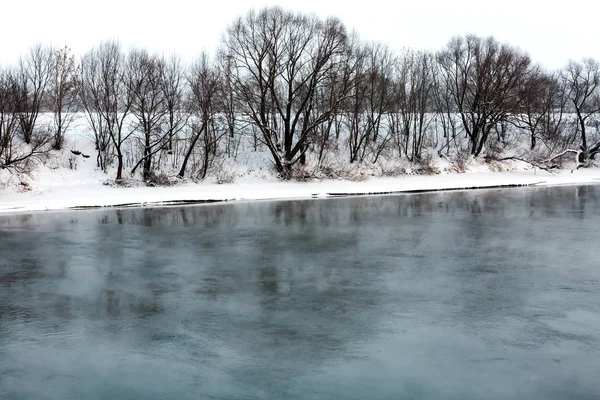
x=57 y=194
x=70 y=178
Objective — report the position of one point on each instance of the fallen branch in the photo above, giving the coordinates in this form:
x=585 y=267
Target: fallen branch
x=561 y=154
x=532 y=163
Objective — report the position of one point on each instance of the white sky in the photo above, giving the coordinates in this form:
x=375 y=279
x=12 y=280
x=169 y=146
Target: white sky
x=551 y=32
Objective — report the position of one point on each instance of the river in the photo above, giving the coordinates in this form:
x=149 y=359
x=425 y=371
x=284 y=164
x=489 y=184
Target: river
x=490 y=294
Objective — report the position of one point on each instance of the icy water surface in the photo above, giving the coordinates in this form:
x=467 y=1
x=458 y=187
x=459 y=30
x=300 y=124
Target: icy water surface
x=476 y=295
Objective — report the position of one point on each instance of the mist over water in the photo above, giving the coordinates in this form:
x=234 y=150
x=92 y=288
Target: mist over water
x=462 y=295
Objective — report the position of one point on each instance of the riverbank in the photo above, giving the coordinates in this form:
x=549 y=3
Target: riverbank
x=58 y=195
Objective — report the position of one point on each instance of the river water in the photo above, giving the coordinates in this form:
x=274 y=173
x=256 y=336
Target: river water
x=459 y=295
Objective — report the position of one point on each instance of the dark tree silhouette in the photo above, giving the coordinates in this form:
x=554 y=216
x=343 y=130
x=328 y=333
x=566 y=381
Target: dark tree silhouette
x=280 y=62
x=484 y=77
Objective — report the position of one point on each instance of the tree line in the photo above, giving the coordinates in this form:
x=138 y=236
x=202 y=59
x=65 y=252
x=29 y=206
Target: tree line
x=302 y=88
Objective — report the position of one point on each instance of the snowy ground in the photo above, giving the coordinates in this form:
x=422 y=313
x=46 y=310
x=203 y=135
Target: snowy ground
x=62 y=193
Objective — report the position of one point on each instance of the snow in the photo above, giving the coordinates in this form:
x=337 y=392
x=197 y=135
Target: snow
x=54 y=193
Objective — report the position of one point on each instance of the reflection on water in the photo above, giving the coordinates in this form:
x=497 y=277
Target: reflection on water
x=465 y=295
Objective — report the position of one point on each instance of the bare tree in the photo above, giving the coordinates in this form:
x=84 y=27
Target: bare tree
x=327 y=134
x=174 y=88
x=416 y=100
x=145 y=82
x=444 y=108
x=63 y=93
x=14 y=153
x=9 y=91
x=107 y=101
x=353 y=108
x=35 y=71
x=485 y=76
x=582 y=81
x=280 y=61
x=371 y=99
x=228 y=104
x=541 y=107
x=205 y=84
x=555 y=121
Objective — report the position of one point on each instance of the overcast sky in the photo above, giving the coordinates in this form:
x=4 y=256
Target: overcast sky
x=550 y=33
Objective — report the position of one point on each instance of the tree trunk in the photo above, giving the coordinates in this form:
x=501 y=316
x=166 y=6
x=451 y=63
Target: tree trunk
x=189 y=152
x=147 y=157
x=583 y=135
x=119 y=165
